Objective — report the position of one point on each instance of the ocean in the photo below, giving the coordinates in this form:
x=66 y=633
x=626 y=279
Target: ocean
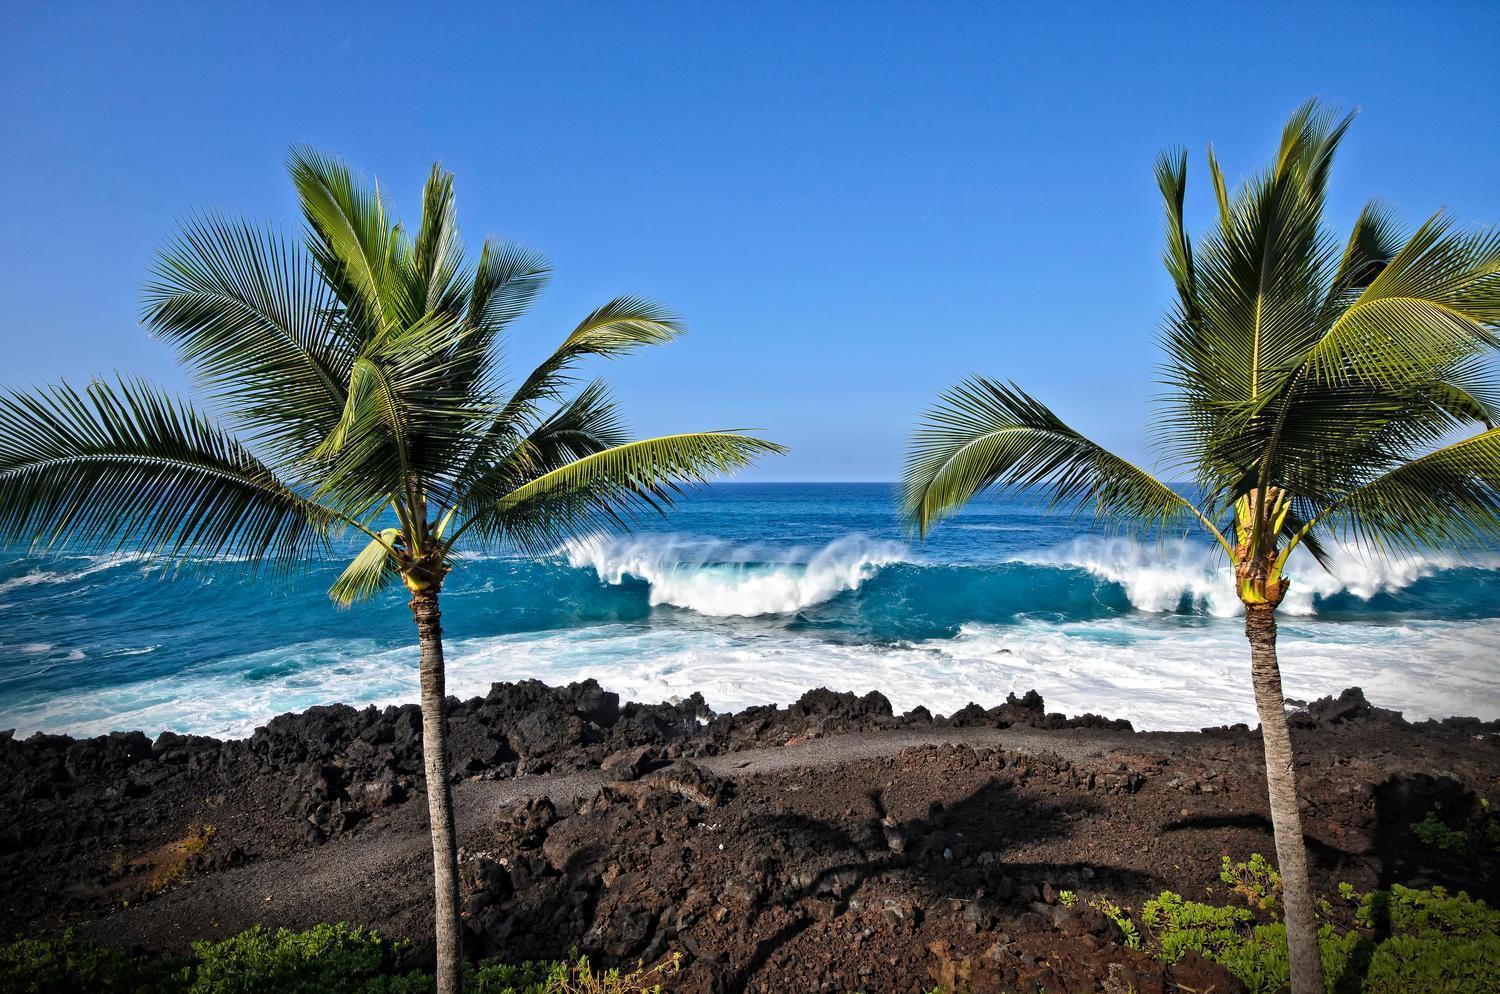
x=752 y=594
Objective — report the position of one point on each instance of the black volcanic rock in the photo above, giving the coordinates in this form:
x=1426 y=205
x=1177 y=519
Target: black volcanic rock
x=1349 y=706
x=331 y=768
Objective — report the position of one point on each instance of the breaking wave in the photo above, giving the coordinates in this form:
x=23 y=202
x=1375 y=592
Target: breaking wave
x=1188 y=578
x=723 y=580
x=1091 y=577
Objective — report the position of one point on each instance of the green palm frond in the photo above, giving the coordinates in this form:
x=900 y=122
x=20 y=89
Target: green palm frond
x=428 y=268
x=587 y=424
x=249 y=314
x=375 y=569
x=619 y=327
x=1448 y=498
x=1373 y=242
x=410 y=416
x=986 y=435
x=1177 y=253
x=653 y=464
x=591 y=422
x=539 y=525
x=507 y=279
x=595 y=489
x=1434 y=302
x=1471 y=392
x=126 y=465
x=353 y=240
x=1295 y=366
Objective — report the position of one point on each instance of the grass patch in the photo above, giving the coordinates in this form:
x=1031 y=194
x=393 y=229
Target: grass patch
x=172 y=860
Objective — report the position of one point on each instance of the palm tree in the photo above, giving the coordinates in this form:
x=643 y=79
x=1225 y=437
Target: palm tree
x=361 y=365
x=1317 y=391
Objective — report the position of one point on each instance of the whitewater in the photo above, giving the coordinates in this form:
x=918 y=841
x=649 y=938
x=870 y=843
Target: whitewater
x=753 y=594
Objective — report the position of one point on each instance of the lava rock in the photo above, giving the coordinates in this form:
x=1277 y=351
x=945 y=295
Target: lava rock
x=523 y=823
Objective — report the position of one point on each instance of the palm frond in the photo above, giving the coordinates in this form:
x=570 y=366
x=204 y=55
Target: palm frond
x=1177 y=254
x=595 y=489
x=429 y=268
x=619 y=327
x=508 y=278
x=1470 y=392
x=984 y=434
x=1373 y=242
x=372 y=571
x=1449 y=498
x=589 y=423
x=1259 y=282
x=653 y=465
x=127 y=465
x=1436 y=301
x=353 y=240
x=411 y=414
x=248 y=312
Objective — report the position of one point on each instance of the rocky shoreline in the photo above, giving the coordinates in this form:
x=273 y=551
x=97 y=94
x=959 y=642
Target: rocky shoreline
x=336 y=766
x=630 y=830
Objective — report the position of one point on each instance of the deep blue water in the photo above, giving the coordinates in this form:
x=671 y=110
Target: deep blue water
x=751 y=592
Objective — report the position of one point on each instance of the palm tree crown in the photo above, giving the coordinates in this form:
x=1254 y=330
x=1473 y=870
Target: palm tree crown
x=1315 y=386
x=361 y=366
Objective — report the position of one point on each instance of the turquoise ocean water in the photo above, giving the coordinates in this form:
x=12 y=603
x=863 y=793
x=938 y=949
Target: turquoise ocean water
x=753 y=593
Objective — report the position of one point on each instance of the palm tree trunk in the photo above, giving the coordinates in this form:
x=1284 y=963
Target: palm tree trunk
x=1286 y=818
x=424 y=607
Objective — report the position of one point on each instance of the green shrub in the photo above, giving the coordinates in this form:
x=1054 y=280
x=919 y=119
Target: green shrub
x=1434 y=964
x=1121 y=918
x=71 y=966
x=1255 y=880
x=1408 y=910
x=1436 y=942
x=1481 y=834
x=506 y=978
x=1183 y=925
x=323 y=958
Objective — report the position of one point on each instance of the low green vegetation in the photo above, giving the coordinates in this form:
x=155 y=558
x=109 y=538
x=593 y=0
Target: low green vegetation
x=1381 y=942
x=1480 y=834
x=70 y=966
x=1121 y=918
x=325 y=959
x=1256 y=880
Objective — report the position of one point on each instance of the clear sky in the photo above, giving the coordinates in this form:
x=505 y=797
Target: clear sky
x=852 y=205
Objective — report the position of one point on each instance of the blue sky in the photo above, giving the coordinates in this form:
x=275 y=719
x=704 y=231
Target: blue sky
x=852 y=205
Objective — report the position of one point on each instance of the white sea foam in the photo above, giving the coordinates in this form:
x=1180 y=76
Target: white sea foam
x=1159 y=673
x=93 y=564
x=1161 y=577
x=723 y=580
